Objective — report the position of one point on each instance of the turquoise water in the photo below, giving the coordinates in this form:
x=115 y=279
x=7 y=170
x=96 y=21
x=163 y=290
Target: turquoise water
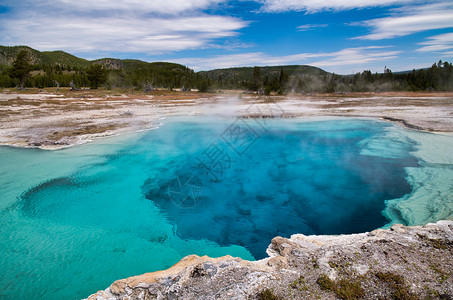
x=72 y=221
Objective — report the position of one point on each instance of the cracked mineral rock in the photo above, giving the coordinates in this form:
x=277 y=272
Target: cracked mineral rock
x=399 y=263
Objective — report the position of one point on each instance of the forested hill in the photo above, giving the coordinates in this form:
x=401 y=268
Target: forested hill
x=245 y=73
x=308 y=79
x=58 y=68
x=243 y=77
x=69 y=62
x=50 y=58
x=61 y=68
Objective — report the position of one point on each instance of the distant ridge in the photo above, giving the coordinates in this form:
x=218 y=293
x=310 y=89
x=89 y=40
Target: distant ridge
x=52 y=67
x=60 y=68
x=8 y=54
x=64 y=59
x=244 y=73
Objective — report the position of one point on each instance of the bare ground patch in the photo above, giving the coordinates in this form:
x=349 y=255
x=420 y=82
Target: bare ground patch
x=62 y=115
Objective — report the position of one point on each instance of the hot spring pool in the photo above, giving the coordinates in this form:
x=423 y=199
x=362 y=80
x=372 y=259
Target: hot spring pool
x=72 y=221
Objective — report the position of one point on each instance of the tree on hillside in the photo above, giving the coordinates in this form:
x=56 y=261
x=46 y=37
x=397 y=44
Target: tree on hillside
x=282 y=81
x=96 y=75
x=21 y=67
x=203 y=85
x=257 y=81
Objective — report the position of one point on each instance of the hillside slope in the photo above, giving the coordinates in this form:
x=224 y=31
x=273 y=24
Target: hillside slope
x=245 y=73
x=52 y=58
x=52 y=66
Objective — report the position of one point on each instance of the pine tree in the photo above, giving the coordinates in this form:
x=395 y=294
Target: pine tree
x=96 y=75
x=21 y=67
x=256 y=79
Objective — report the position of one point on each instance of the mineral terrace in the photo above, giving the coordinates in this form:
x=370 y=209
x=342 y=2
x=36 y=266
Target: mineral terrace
x=399 y=263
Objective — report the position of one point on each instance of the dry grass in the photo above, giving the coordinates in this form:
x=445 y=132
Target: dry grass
x=117 y=92
x=63 y=105
x=88 y=129
x=8 y=113
x=84 y=106
x=383 y=94
x=73 y=113
x=18 y=101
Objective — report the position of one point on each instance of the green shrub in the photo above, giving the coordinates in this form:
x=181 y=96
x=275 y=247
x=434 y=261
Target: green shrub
x=267 y=294
x=398 y=285
x=349 y=290
x=325 y=283
x=343 y=288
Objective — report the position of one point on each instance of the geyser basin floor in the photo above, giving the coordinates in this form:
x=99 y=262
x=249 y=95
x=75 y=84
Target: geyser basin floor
x=75 y=220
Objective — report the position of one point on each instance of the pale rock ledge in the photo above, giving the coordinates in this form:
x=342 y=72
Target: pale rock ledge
x=399 y=263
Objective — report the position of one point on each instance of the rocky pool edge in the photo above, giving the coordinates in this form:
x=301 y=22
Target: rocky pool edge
x=409 y=261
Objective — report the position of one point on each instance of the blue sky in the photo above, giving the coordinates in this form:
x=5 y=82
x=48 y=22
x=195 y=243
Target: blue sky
x=341 y=36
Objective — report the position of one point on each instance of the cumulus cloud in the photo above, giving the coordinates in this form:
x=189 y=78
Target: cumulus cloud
x=409 y=20
x=359 y=57
x=172 y=7
x=313 y=6
x=138 y=29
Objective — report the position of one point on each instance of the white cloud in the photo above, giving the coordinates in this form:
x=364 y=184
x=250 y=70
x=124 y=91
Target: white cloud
x=438 y=43
x=312 y=6
x=434 y=48
x=307 y=27
x=339 y=61
x=357 y=56
x=228 y=61
x=409 y=20
x=172 y=7
x=121 y=34
x=151 y=27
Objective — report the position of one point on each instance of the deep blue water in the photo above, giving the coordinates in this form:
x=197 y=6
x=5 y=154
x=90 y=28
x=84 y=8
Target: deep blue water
x=287 y=177
x=73 y=221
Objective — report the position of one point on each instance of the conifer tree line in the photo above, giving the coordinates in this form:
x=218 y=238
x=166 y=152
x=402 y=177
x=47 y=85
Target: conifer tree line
x=264 y=80
x=133 y=74
x=439 y=77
